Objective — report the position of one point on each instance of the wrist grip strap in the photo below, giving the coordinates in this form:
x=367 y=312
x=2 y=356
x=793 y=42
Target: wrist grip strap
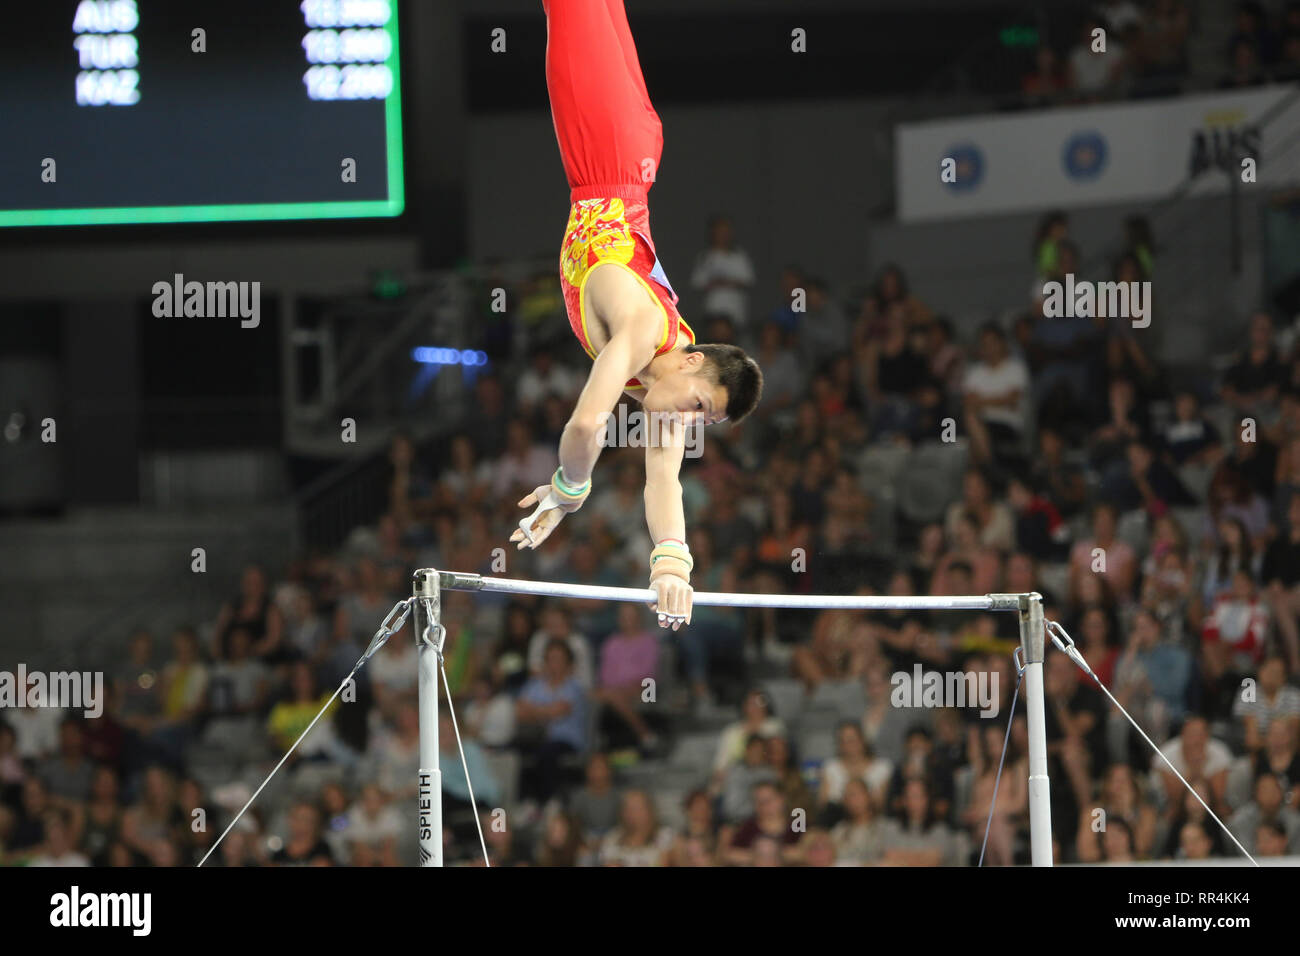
x=671 y=558
x=566 y=493
x=671 y=567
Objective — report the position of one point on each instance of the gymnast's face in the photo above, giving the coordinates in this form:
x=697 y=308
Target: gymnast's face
x=688 y=393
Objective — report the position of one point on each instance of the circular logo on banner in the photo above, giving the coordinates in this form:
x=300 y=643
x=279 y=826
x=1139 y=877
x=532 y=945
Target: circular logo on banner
x=968 y=167
x=1085 y=155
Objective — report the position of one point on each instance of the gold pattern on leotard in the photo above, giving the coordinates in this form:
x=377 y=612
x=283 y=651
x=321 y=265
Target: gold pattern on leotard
x=597 y=231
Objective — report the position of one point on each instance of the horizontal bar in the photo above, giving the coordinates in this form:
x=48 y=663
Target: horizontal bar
x=461 y=581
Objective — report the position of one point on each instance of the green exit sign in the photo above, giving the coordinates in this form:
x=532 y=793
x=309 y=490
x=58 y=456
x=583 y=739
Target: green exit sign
x=1019 y=36
x=387 y=285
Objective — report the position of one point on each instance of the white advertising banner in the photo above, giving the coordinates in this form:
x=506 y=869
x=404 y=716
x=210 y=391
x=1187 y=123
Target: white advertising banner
x=1093 y=155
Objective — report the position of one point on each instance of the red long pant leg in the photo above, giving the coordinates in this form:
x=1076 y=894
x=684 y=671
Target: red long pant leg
x=618 y=16
x=604 y=123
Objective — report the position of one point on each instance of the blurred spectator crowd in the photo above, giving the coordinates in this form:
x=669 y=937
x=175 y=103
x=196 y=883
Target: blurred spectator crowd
x=1157 y=509
x=1127 y=49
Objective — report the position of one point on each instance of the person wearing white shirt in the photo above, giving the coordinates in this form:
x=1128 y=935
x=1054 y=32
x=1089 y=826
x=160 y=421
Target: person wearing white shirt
x=546 y=377
x=524 y=465
x=556 y=626
x=639 y=839
x=1091 y=71
x=993 y=390
x=393 y=673
x=854 y=761
x=1196 y=755
x=1120 y=14
x=36 y=731
x=724 y=274
x=374 y=827
x=58 y=849
x=490 y=715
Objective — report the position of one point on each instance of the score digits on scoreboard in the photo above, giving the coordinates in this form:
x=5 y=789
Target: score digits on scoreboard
x=348 y=45
x=257 y=102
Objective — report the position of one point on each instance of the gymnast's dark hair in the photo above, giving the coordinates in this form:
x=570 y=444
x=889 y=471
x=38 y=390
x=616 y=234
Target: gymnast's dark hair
x=735 y=371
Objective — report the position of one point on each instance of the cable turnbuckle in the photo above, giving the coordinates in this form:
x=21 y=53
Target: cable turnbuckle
x=401 y=611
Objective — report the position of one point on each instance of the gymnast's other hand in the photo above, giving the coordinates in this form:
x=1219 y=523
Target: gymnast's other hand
x=543 y=524
x=545 y=521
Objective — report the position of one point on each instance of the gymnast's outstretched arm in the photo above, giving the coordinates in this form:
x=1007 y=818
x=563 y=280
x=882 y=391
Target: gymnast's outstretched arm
x=619 y=360
x=580 y=443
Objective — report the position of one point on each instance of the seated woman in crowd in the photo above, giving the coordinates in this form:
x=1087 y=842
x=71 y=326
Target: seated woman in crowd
x=756 y=718
x=1012 y=806
x=638 y=840
x=853 y=760
x=916 y=837
x=859 y=836
x=1121 y=807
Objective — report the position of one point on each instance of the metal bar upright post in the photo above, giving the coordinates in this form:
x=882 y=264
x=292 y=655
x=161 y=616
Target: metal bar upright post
x=1033 y=639
x=428 y=599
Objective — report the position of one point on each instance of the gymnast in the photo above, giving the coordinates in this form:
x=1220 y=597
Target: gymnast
x=620 y=304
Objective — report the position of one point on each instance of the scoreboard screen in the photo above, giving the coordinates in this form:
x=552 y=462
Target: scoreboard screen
x=151 y=111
